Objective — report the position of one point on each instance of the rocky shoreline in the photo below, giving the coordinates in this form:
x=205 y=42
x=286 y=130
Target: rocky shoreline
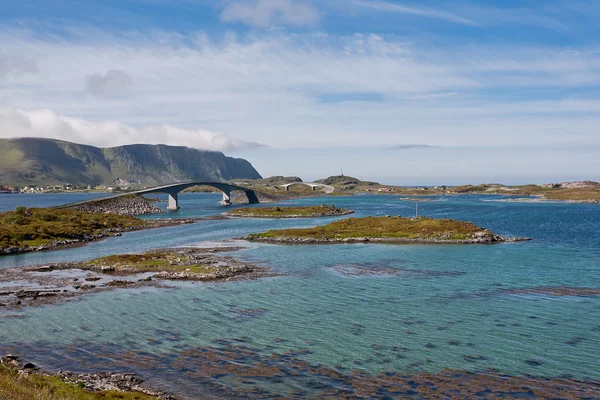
x=91 y=382
x=55 y=283
x=542 y=199
x=482 y=239
x=123 y=205
x=329 y=213
x=84 y=239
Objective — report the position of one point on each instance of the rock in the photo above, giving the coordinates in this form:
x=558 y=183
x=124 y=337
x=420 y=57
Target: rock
x=125 y=205
x=86 y=286
x=29 y=366
x=107 y=268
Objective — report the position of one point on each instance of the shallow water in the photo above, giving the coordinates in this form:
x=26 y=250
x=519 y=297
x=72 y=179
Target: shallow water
x=444 y=307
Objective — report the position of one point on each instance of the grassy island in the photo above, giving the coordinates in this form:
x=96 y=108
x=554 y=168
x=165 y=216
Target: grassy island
x=44 y=226
x=38 y=285
x=160 y=261
x=175 y=264
x=385 y=229
x=289 y=212
x=39 y=229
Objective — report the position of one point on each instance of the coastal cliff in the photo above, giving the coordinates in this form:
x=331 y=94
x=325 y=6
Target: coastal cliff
x=35 y=161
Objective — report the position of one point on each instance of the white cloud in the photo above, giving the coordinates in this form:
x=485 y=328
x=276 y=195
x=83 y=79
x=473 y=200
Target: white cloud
x=267 y=88
x=410 y=10
x=47 y=124
x=267 y=13
x=114 y=83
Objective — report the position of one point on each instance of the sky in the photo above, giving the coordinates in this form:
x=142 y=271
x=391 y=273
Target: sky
x=403 y=92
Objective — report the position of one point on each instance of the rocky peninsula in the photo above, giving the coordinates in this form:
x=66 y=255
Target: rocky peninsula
x=289 y=212
x=42 y=229
x=123 y=205
x=54 y=283
x=386 y=229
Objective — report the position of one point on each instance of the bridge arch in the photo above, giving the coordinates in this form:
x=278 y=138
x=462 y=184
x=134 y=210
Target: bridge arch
x=173 y=191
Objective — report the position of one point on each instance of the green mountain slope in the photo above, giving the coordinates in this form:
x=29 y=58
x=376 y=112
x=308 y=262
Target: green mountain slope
x=33 y=161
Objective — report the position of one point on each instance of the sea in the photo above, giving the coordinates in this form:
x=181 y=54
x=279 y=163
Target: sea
x=332 y=311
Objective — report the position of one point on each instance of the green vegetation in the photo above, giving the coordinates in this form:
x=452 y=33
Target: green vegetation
x=586 y=191
x=37 y=226
x=151 y=262
x=341 y=180
x=17 y=386
x=384 y=228
x=277 y=180
x=573 y=194
x=288 y=212
x=35 y=161
x=567 y=194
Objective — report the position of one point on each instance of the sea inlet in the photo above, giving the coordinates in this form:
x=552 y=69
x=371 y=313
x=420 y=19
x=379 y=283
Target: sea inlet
x=344 y=320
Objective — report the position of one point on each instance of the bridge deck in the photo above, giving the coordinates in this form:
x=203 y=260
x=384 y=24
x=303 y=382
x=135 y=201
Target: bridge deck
x=172 y=190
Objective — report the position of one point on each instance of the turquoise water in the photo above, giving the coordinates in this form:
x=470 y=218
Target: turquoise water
x=439 y=303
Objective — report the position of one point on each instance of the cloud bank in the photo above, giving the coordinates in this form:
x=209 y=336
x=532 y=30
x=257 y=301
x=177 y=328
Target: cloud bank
x=316 y=89
x=46 y=123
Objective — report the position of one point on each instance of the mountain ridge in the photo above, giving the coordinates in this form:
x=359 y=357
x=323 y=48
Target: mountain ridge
x=37 y=161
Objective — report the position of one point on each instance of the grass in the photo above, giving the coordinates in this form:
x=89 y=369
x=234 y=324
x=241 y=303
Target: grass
x=567 y=194
x=383 y=227
x=15 y=386
x=280 y=212
x=591 y=193
x=151 y=262
x=38 y=226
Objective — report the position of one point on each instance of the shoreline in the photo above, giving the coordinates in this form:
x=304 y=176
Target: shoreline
x=126 y=384
x=350 y=240
x=289 y=216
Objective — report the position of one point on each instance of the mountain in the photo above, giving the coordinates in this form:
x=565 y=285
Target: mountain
x=34 y=161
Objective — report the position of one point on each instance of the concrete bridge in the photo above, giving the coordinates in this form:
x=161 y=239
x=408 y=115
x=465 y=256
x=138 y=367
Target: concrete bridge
x=313 y=186
x=173 y=191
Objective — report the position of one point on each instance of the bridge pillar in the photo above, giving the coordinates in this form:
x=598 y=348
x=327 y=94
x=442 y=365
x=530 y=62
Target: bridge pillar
x=252 y=197
x=313 y=188
x=287 y=188
x=226 y=198
x=173 y=201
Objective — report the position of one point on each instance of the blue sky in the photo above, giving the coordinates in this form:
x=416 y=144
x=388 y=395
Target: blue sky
x=497 y=90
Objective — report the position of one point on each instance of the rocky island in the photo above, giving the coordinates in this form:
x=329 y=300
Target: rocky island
x=289 y=212
x=40 y=229
x=386 y=229
x=131 y=204
x=54 y=283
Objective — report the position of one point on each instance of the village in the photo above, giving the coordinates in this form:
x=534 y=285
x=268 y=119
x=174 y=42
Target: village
x=4 y=189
